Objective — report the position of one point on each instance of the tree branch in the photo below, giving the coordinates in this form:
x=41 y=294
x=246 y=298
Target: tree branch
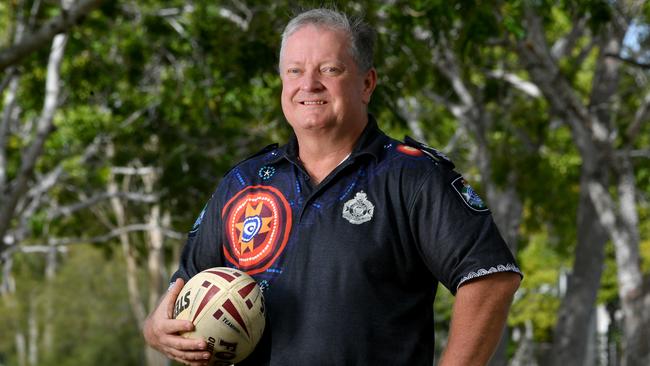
x=39 y=249
x=132 y=170
x=630 y=61
x=70 y=209
x=642 y=115
x=545 y=73
x=117 y=232
x=564 y=46
x=5 y=121
x=50 y=179
x=634 y=153
x=7 y=78
x=523 y=85
x=409 y=109
x=31 y=42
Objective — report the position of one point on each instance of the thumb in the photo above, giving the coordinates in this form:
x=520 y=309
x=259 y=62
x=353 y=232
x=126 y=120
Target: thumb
x=172 y=294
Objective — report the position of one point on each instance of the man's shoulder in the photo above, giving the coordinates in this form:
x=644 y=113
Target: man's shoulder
x=412 y=153
x=266 y=155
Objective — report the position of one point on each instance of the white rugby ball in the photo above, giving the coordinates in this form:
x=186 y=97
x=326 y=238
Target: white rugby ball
x=226 y=307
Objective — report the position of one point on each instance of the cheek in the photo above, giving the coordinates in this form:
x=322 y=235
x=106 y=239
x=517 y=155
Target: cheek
x=285 y=100
x=288 y=89
x=285 y=96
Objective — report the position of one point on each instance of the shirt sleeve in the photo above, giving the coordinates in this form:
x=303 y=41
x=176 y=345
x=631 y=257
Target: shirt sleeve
x=455 y=232
x=202 y=249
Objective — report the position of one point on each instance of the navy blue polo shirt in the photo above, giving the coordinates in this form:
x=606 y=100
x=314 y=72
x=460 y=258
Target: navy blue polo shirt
x=349 y=267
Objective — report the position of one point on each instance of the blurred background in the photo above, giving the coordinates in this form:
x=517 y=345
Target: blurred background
x=118 y=118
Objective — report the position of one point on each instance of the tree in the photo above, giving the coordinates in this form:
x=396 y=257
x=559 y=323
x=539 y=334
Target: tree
x=594 y=125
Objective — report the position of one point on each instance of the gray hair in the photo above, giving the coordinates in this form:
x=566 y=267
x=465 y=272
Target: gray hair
x=362 y=36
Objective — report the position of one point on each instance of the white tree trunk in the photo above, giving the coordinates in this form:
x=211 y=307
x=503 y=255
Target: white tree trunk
x=21 y=348
x=155 y=260
x=133 y=288
x=622 y=226
x=570 y=335
x=33 y=344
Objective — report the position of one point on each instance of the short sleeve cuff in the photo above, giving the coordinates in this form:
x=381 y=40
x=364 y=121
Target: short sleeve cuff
x=508 y=267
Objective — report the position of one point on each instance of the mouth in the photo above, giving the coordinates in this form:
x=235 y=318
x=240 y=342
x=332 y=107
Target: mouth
x=313 y=102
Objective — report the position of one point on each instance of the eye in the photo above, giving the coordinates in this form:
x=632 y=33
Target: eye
x=293 y=71
x=332 y=70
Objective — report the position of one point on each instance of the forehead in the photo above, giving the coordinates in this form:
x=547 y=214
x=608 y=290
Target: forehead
x=312 y=41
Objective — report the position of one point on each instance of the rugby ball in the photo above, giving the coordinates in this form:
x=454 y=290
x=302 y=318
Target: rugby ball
x=226 y=307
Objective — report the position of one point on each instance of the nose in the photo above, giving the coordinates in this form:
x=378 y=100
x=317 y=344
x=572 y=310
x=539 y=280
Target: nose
x=311 y=82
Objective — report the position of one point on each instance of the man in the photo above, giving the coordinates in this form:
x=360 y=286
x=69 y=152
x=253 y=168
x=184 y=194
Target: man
x=347 y=230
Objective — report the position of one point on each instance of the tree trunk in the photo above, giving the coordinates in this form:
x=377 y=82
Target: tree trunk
x=572 y=328
x=50 y=272
x=30 y=155
x=155 y=261
x=525 y=354
x=32 y=326
x=21 y=349
x=634 y=295
x=507 y=210
x=135 y=296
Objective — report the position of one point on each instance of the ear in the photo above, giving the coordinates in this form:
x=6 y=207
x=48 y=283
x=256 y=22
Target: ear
x=369 y=84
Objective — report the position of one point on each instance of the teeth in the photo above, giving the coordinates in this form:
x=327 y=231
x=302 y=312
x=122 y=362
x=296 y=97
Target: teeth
x=313 y=103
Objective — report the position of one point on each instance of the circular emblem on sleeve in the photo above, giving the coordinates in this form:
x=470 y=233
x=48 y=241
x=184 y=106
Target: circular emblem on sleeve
x=358 y=210
x=258 y=222
x=409 y=150
x=469 y=196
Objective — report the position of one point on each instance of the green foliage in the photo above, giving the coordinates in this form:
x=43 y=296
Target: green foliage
x=608 y=292
x=644 y=219
x=5 y=23
x=537 y=299
x=86 y=298
x=88 y=294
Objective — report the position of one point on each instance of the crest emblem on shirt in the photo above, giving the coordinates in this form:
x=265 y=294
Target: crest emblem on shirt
x=258 y=222
x=358 y=210
x=469 y=196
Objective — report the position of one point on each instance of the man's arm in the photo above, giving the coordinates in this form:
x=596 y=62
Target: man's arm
x=478 y=318
x=162 y=332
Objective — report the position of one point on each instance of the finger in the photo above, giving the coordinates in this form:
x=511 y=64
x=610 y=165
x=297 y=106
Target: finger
x=184 y=344
x=172 y=326
x=172 y=294
x=185 y=356
x=185 y=362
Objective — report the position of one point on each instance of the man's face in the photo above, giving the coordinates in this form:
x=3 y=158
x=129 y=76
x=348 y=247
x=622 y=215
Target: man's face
x=322 y=87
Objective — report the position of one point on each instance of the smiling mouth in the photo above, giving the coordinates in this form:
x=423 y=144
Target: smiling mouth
x=313 y=102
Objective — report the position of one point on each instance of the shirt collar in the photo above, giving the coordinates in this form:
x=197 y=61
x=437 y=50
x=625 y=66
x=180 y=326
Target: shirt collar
x=369 y=143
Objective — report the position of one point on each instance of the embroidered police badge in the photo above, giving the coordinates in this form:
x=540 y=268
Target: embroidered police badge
x=469 y=196
x=358 y=210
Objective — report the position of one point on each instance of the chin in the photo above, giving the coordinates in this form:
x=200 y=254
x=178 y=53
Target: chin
x=310 y=122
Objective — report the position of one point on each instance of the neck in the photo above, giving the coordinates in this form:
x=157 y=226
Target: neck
x=320 y=153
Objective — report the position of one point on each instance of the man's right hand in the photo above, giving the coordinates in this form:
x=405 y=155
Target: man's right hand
x=163 y=333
